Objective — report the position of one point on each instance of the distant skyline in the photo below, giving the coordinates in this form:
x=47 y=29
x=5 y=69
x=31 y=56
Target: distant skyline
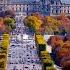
x=65 y=1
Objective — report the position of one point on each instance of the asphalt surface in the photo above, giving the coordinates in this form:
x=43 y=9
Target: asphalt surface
x=22 y=54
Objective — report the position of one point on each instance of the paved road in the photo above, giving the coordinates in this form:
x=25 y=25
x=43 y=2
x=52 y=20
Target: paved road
x=22 y=52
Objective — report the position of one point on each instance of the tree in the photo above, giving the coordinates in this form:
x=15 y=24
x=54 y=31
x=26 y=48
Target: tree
x=7 y=24
x=52 y=23
x=2 y=26
x=32 y=22
x=10 y=23
x=65 y=22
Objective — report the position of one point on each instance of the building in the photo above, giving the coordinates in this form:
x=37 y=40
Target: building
x=21 y=7
x=45 y=7
x=26 y=7
x=59 y=7
x=65 y=8
x=55 y=7
x=1 y=5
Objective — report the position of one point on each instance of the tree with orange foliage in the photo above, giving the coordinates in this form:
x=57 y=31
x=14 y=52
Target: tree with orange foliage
x=2 y=26
x=65 y=22
x=7 y=24
x=65 y=63
x=60 y=49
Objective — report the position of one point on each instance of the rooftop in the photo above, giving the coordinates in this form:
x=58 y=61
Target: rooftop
x=65 y=1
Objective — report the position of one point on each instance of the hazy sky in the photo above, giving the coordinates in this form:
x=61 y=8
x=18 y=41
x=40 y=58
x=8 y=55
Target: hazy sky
x=63 y=1
x=66 y=1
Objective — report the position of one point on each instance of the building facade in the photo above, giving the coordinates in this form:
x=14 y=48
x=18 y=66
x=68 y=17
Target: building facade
x=55 y=7
x=1 y=5
x=23 y=7
x=66 y=9
x=26 y=7
x=59 y=7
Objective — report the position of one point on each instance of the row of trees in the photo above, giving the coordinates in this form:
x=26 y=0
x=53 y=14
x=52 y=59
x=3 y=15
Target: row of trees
x=53 y=25
x=60 y=51
x=48 y=24
x=7 y=21
x=46 y=59
x=7 y=24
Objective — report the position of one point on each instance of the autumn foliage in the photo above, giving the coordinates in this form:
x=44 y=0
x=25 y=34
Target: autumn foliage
x=61 y=47
x=7 y=24
x=65 y=22
x=33 y=22
x=49 y=24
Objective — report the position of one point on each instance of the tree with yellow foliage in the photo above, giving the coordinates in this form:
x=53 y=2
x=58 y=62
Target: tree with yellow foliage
x=53 y=24
x=33 y=22
x=7 y=24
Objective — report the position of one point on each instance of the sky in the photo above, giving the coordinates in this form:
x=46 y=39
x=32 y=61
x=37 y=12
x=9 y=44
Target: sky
x=63 y=1
x=66 y=1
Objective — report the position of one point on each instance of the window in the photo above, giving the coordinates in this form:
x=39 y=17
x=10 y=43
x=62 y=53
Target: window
x=1 y=0
x=56 y=11
x=0 y=8
x=19 y=8
x=68 y=11
x=64 y=11
x=23 y=9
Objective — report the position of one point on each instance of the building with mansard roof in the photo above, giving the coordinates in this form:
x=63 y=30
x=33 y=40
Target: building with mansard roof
x=26 y=7
x=59 y=7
